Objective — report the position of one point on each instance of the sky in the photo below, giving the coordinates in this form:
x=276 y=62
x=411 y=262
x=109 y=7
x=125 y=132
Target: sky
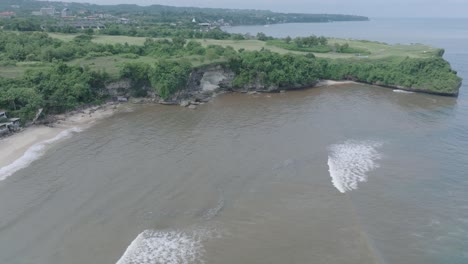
x=371 y=8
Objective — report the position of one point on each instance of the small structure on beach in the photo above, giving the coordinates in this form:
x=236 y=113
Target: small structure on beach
x=122 y=99
x=14 y=124
x=8 y=125
x=4 y=129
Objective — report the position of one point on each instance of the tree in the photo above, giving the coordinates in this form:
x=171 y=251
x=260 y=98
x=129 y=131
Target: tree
x=262 y=36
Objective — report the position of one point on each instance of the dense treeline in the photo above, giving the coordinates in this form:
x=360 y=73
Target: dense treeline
x=165 y=78
x=164 y=14
x=189 y=31
x=429 y=74
x=165 y=30
x=273 y=71
x=39 y=47
x=311 y=44
x=156 y=14
x=57 y=87
x=151 y=21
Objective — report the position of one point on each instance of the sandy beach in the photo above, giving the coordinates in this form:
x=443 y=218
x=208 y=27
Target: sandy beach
x=17 y=150
x=330 y=83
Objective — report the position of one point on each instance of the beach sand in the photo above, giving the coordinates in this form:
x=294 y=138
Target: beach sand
x=14 y=147
x=330 y=83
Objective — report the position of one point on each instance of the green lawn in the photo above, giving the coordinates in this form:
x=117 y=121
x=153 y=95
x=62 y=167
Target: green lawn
x=380 y=50
x=377 y=49
x=12 y=71
x=103 y=39
x=111 y=64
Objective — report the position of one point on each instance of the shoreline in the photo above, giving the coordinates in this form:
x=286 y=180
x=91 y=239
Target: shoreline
x=20 y=149
x=37 y=138
x=322 y=83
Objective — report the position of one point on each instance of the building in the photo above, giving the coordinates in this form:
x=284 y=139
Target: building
x=8 y=125
x=4 y=129
x=14 y=124
x=7 y=14
x=124 y=20
x=66 y=12
x=83 y=24
x=3 y=114
x=48 y=11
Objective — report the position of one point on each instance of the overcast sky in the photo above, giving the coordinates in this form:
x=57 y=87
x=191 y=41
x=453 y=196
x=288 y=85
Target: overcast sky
x=371 y=8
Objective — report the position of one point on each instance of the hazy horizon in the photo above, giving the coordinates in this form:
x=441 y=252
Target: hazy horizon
x=370 y=8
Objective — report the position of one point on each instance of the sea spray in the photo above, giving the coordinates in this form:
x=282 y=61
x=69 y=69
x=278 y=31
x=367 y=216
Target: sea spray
x=402 y=91
x=34 y=153
x=169 y=247
x=349 y=163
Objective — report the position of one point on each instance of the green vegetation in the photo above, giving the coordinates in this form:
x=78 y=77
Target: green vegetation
x=155 y=21
x=149 y=16
x=272 y=70
x=315 y=44
x=424 y=74
x=57 y=64
x=56 y=89
x=61 y=72
x=43 y=72
x=164 y=77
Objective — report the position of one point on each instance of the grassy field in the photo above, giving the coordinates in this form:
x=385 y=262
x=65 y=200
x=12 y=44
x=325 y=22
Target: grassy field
x=377 y=49
x=103 y=39
x=380 y=50
x=14 y=71
x=111 y=63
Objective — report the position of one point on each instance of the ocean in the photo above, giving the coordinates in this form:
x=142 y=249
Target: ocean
x=340 y=174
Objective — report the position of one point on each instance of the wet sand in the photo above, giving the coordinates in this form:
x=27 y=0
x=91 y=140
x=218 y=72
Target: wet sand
x=16 y=146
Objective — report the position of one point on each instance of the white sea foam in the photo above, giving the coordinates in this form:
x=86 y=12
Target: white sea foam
x=402 y=91
x=350 y=162
x=168 y=247
x=34 y=153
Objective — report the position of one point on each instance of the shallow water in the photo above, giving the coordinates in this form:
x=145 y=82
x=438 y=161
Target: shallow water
x=344 y=174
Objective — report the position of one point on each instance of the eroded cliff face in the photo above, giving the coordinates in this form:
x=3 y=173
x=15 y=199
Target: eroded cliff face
x=118 y=88
x=206 y=80
x=203 y=82
x=210 y=78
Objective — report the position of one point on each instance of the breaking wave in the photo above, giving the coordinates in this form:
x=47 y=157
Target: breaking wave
x=168 y=247
x=350 y=162
x=34 y=153
x=402 y=91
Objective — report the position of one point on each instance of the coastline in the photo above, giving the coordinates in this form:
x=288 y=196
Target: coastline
x=331 y=83
x=14 y=154
x=22 y=148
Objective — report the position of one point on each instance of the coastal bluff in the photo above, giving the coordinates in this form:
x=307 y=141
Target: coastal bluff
x=206 y=80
